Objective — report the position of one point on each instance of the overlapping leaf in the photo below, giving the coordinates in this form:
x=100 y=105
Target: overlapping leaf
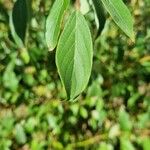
x=53 y=22
x=74 y=55
x=100 y=15
x=20 y=16
x=18 y=21
x=121 y=15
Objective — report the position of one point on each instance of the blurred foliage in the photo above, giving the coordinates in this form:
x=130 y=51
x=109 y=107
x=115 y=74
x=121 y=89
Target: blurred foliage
x=113 y=112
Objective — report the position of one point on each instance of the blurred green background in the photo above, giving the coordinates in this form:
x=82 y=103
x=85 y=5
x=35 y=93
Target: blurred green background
x=113 y=113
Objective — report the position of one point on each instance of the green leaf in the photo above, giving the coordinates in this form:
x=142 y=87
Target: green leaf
x=143 y=120
x=83 y=112
x=105 y=146
x=124 y=120
x=84 y=7
x=53 y=22
x=121 y=15
x=132 y=100
x=146 y=143
x=74 y=55
x=20 y=18
x=16 y=38
x=10 y=79
x=126 y=144
x=100 y=15
x=20 y=134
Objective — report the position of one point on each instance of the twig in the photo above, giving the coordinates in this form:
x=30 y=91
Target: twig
x=77 y=4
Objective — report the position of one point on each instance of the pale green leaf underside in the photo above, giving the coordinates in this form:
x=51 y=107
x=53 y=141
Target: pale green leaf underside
x=121 y=15
x=74 y=55
x=53 y=22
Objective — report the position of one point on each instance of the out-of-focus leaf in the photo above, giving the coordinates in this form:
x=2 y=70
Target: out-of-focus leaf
x=7 y=123
x=143 y=120
x=94 y=90
x=20 y=134
x=52 y=121
x=125 y=144
x=124 y=120
x=132 y=100
x=114 y=131
x=37 y=145
x=25 y=56
x=74 y=55
x=105 y=146
x=29 y=79
x=10 y=80
x=121 y=15
x=57 y=145
x=53 y=22
x=146 y=143
x=83 y=112
x=30 y=125
x=5 y=144
x=74 y=108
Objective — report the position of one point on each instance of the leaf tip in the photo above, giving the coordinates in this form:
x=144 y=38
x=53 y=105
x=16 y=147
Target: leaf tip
x=73 y=99
x=51 y=48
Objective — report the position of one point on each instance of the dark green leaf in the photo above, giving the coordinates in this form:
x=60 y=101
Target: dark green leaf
x=100 y=14
x=20 y=18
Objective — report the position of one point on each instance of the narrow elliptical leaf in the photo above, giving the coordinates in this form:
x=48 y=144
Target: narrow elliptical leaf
x=121 y=15
x=15 y=36
x=53 y=22
x=20 y=17
x=18 y=20
x=100 y=15
x=74 y=55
